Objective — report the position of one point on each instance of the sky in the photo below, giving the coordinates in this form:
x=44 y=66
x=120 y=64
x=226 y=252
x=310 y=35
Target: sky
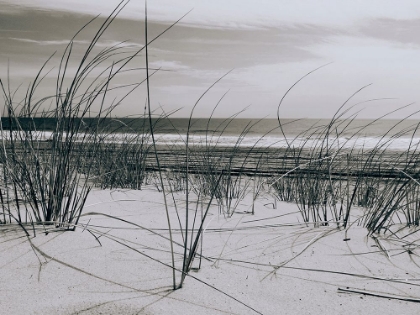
x=263 y=46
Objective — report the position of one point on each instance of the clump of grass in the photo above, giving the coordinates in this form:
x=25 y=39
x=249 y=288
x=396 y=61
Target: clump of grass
x=41 y=178
x=326 y=178
x=236 y=166
x=119 y=160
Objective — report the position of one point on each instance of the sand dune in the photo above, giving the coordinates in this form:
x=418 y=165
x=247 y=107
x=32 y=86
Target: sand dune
x=268 y=263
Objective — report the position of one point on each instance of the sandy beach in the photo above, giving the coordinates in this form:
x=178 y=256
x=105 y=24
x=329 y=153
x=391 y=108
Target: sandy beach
x=126 y=192
x=266 y=263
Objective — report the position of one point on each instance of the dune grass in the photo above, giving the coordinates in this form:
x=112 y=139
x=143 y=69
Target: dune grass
x=46 y=177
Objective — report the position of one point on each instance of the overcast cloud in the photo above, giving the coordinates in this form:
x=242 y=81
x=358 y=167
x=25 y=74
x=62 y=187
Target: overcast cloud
x=268 y=44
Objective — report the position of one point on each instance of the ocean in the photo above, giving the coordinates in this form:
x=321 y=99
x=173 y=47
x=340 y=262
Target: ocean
x=393 y=134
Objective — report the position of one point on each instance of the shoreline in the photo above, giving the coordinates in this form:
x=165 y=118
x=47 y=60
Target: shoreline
x=253 y=161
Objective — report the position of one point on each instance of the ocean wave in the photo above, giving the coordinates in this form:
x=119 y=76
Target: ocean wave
x=170 y=139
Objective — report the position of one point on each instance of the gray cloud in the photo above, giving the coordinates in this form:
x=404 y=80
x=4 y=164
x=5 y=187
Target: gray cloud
x=195 y=55
x=394 y=30
x=26 y=31
x=48 y=42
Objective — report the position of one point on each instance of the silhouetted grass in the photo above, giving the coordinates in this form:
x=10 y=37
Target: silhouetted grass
x=41 y=178
x=47 y=176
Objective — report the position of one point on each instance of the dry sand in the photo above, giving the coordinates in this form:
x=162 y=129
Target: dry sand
x=76 y=275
